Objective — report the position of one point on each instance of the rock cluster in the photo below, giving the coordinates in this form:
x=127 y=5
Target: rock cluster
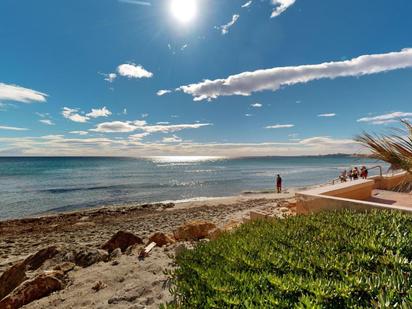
x=45 y=272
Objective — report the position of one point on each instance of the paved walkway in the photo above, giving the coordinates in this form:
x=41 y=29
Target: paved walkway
x=391 y=198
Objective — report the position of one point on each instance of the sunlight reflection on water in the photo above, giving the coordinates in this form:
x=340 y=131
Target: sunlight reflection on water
x=183 y=159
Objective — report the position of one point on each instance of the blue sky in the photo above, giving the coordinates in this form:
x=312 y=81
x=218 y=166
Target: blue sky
x=260 y=77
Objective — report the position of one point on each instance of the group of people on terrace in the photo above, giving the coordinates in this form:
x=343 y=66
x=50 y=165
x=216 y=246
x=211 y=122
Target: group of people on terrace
x=354 y=174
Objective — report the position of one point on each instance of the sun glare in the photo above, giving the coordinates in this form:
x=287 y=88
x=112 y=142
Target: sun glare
x=183 y=10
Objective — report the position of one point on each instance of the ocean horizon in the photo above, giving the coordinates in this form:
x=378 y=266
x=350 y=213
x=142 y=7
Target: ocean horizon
x=32 y=186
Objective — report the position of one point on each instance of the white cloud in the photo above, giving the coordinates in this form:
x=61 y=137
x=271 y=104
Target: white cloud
x=280 y=126
x=281 y=6
x=173 y=127
x=130 y=126
x=12 y=128
x=225 y=28
x=96 y=112
x=79 y=132
x=325 y=140
x=172 y=139
x=42 y=115
x=73 y=115
x=47 y=121
x=163 y=92
x=124 y=111
x=115 y=127
x=386 y=118
x=272 y=79
x=110 y=77
x=59 y=145
x=247 y=4
x=248 y=115
x=257 y=105
x=136 y=2
x=145 y=115
x=20 y=94
x=132 y=70
x=163 y=122
x=327 y=115
x=138 y=137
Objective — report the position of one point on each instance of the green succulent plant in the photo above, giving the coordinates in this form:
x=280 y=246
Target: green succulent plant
x=326 y=260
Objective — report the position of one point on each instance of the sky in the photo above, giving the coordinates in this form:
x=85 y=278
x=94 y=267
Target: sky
x=201 y=77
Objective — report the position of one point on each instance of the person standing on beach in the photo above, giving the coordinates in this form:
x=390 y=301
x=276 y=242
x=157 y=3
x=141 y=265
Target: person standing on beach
x=279 y=184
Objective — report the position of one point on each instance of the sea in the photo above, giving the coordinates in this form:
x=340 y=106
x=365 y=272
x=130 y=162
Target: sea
x=32 y=186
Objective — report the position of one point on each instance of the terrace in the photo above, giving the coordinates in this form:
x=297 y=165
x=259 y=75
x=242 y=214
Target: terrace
x=373 y=193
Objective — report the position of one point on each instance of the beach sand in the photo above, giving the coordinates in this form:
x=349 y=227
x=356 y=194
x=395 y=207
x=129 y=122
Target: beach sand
x=125 y=281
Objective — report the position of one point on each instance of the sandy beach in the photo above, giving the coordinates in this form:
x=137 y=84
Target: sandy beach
x=122 y=279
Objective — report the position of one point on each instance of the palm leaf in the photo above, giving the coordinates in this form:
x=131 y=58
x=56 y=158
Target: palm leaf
x=395 y=149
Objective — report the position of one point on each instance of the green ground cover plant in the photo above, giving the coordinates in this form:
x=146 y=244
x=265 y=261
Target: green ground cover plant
x=326 y=260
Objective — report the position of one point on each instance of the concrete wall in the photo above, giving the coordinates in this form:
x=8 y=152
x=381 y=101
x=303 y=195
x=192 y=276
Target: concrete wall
x=315 y=203
x=390 y=182
x=350 y=195
x=353 y=190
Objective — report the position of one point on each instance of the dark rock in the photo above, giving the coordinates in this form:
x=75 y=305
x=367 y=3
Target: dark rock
x=30 y=290
x=116 y=253
x=98 y=286
x=65 y=267
x=11 y=278
x=34 y=261
x=86 y=257
x=121 y=240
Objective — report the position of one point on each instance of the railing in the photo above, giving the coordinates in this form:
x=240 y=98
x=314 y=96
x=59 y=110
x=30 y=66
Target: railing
x=377 y=166
x=371 y=168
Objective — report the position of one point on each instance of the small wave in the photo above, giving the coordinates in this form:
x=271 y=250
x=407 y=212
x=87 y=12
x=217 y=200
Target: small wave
x=201 y=171
x=66 y=190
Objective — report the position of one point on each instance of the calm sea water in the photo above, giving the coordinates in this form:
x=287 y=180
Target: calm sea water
x=32 y=186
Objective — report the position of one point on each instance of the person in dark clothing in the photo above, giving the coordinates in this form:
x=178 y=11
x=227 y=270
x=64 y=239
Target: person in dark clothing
x=278 y=184
x=364 y=172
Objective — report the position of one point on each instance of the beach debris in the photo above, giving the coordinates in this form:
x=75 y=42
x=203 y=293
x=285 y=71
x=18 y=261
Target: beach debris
x=121 y=240
x=89 y=256
x=161 y=239
x=40 y=286
x=98 y=286
x=145 y=252
x=194 y=230
x=168 y=205
x=84 y=224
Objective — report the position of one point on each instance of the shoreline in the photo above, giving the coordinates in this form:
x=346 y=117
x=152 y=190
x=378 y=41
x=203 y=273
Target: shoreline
x=189 y=202
x=89 y=229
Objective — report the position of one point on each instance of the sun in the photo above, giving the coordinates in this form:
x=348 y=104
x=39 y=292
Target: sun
x=183 y=10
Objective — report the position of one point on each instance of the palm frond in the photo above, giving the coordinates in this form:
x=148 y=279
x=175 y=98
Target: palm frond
x=395 y=149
